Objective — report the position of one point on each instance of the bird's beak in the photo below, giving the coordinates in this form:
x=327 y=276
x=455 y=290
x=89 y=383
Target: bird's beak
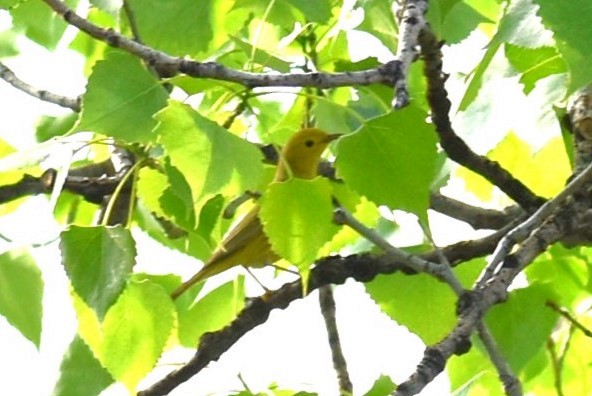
x=333 y=136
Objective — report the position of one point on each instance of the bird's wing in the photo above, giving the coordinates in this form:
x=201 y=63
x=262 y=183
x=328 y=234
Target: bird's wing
x=245 y=232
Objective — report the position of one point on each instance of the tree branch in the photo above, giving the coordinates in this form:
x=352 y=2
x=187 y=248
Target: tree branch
x=330 y=270
x=8 y=75
x=478 y=218
x=565 y=313
x=28 y=185
x=454 y=146
x=525 y=229
x=412 y=21
x=327 y=303
x=510 y=382
x=474 y=304
x=170 y=66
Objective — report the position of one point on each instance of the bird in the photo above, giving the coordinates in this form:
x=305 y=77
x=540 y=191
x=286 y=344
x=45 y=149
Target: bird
x=246 y=244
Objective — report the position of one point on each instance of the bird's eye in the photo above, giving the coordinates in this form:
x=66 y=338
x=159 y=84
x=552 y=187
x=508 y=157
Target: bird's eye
x=309 y=143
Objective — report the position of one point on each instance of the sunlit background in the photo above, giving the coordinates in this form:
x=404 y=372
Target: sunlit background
x=291 y=349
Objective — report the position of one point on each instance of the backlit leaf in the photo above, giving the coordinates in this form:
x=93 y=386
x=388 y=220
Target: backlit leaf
x=21 y=291
x=98 y=261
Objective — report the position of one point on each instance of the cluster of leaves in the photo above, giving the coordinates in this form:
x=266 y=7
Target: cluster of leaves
x=190 y=166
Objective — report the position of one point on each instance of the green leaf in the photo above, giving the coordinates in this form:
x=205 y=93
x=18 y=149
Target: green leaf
x=159 y=194
x=150 y=188
x=6 y=4
x=91 y=49
x=564 y=271
x=379 y=21
x=177 y=200
x=384 y=385
x=39 y=22
x=21 y=294
x=81 y=374
x=460 y=22
x=421 y=303
x=569 y=22
x=372 y=102
x=318 y=11
x=167 y=195
x=135 y=331
x=49 y=127
x=534 y=64
x=537 y=372
x=212 y=160
x=519 y=26
x=283 y=13
x=522 y=325
x=332 y=116
x=8 y=46
x=473 y=373
x=73 y=209
x=400 y=149
x=297 y=216
x=576 y=365
x=121 y=98
x=211 y=88
x=110 y=6
x=286 y=122
x=210 y=313
x=545 y=173
x=476 y=82
x=180 y=27
x=333 y=52
x=98 y=261
x=262 y=57
x=444 y=12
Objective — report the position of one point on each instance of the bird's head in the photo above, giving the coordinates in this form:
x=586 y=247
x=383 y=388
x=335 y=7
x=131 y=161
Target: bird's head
x=301 y=155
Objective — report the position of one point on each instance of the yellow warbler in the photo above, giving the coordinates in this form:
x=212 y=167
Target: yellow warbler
x=246 y=244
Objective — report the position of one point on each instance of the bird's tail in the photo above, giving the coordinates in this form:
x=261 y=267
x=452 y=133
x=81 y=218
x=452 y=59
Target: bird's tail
x=204 y=273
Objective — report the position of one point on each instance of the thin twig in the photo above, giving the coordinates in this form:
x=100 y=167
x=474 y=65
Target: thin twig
x=509 y=380
x=565 y=313
x=240 y=108
x=131 y=18
x=511 y=383
x=342 y=216
x=8 y=75
x=327 y=302
x=555 y=363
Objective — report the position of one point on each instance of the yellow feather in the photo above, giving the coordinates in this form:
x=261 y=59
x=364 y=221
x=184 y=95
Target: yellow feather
x=246 y=244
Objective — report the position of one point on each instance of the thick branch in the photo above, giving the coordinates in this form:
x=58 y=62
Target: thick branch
x=478 y=218
x=473 y=305
x=28 y=185
x=454 y=146
x=580 y=122
x=527 y=228
x=330 y=270
x=170 y=66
